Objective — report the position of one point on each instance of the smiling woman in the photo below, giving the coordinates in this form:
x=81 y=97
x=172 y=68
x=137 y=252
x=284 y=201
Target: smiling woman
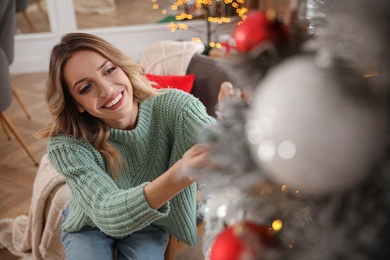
x=121 y=146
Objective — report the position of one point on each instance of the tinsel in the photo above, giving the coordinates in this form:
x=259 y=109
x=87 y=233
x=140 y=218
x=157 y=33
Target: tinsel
x=353 y=223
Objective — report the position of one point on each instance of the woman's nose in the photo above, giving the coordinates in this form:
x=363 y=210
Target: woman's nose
x=106 y=89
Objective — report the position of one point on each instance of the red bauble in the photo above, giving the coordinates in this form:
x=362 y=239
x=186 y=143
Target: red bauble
x=246 y=240
x=256 y=29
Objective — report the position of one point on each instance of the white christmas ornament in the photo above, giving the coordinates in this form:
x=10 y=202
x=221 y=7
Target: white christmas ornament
x=311 y=132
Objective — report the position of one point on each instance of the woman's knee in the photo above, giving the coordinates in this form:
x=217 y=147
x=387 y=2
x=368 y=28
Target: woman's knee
x=88 y=243
x=149 y=243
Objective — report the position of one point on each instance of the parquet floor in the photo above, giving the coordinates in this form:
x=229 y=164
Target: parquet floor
x=17 y=170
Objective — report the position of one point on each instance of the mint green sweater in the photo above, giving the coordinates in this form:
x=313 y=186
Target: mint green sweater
x=166 y=128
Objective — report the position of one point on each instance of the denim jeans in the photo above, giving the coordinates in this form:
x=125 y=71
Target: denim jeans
x=90 y=243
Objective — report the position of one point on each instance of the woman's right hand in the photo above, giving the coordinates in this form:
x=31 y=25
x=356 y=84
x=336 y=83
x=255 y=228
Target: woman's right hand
x=178 y=177
x=195 y=159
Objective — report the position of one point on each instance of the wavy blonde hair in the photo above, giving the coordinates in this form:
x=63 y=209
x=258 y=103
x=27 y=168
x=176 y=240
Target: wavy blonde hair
x=63 y=108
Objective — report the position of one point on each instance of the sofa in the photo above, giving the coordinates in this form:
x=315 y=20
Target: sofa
x=36 y=236
x=187 y=58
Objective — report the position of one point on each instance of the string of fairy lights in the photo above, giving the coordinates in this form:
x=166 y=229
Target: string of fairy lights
x=213 y=11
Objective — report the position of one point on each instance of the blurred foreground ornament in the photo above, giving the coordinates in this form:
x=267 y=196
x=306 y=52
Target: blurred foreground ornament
x=314 y=127
x=245 y=240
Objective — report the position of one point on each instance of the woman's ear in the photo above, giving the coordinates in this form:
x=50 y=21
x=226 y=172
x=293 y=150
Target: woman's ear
x=80 y=109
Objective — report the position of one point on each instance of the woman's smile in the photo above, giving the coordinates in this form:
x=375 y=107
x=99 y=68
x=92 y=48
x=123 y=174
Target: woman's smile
x=114 y=103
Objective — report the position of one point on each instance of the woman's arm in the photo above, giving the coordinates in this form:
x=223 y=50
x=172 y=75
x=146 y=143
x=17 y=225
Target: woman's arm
x=169 y=184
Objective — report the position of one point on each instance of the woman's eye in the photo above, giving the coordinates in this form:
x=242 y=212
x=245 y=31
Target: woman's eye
x=110 y=70
x=84 y=89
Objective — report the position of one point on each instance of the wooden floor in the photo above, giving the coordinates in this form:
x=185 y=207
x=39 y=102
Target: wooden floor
x=17 y=170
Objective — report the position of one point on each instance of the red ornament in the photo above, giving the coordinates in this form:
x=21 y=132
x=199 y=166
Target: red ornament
x=258 y=28
x=246 y=240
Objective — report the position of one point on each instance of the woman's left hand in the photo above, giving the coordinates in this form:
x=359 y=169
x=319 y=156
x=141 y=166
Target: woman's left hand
x=227 y=91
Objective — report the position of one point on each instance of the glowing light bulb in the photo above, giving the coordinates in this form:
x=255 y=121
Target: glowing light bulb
x=277 y=225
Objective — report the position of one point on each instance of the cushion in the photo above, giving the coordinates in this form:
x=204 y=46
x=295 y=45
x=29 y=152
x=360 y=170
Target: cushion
x=169 y=57
x=184 y=83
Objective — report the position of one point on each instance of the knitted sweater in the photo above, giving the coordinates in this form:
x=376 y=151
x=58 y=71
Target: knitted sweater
x=166 y=128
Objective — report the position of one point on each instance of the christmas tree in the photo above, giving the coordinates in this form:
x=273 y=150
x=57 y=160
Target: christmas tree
x=302 y=167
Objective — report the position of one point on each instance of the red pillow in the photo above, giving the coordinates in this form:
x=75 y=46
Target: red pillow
x=184 y=82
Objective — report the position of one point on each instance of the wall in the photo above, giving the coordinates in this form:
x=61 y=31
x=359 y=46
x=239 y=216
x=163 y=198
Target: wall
x=32 y=50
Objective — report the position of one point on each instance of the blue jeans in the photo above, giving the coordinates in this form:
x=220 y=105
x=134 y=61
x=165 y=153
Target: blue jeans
x=90 y=243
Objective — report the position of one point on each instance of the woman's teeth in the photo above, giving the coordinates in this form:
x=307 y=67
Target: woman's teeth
x=116 y=100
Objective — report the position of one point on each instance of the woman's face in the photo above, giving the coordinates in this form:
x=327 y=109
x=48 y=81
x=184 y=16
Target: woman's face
x=101 y=88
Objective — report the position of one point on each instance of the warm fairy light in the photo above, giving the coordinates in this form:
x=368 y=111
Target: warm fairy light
x=197 y=6
x=175 y=26
x=219 y=20
x=183 y=16
x=297 y=191
x=284 y=188
x=290 y=246
x=218 y=45
x=195 y=39
x=241 y=12
x=206 y=2
x=277 y=225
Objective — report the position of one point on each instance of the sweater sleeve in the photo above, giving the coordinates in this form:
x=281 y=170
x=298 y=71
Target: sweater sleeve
x=190 y=118
x=190 y=123
x=116 y=212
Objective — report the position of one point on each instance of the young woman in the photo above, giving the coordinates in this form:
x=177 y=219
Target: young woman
x=121 y=146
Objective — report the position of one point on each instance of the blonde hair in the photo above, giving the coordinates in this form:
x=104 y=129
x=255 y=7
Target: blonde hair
x=63 y=108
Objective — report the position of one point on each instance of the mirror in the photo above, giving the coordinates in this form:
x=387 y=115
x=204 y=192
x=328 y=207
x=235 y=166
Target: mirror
x=31 y=17
x=110 y=13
